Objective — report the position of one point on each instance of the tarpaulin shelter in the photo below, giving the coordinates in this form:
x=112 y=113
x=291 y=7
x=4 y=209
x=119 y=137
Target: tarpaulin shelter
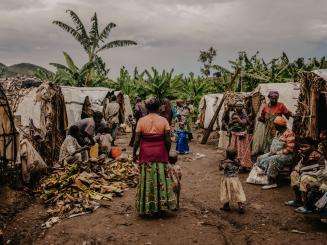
x=209 y=104
x=310 y=118
x=75 y=98
x=42 y=117
x=17 y=87
x=8 y=140
x=288 y=94
x=207 y=107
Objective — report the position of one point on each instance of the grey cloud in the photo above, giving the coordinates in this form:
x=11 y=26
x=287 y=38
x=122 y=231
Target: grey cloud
x=9 y=5
x=170 y=33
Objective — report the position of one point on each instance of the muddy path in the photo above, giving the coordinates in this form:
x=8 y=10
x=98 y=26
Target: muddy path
x=199 y=221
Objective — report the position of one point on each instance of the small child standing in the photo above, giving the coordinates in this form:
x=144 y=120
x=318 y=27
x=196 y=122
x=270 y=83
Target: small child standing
x=231 y=189
x=182 y=140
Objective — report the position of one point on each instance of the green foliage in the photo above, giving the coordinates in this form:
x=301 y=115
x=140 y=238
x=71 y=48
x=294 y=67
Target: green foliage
x=244 y=74
x=91 y=74
x=44 y=76
x=22 y=69
x=254 y=70
x=193 y=88
x=206 y=58
x=93 y=41
x=162 y=85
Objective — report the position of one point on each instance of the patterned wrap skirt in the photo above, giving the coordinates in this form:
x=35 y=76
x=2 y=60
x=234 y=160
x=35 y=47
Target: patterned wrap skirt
x=155 y=192
x=304 y=181
x=231 y=190
x=241 y=142
x=272 y=164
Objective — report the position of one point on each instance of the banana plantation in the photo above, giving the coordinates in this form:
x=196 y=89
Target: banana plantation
x=248 y=70
x=90 y=157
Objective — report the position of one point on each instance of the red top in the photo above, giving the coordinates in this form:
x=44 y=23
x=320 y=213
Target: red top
x=152 y=146
x=277 y=110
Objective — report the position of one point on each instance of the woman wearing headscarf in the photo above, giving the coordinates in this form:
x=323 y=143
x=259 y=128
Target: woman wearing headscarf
x=268 y=115
x=237 y=124
x=280 y=154
x=155 y=190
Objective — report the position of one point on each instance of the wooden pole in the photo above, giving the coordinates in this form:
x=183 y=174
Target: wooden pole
x=215 y=116
x=213 y=120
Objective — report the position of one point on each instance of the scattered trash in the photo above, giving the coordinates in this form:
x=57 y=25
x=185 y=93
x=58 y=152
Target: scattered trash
x=50 y=222
x=199 y=156
x=298 y=232
x=80 y=189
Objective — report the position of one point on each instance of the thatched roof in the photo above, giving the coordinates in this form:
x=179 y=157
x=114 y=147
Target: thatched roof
x=312 y=104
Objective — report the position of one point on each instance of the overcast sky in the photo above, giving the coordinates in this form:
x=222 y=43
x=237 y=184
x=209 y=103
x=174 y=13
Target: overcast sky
x=170 y=33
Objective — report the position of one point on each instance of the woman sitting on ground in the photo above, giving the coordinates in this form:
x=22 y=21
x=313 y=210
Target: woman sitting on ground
x=70 y=150
x=155 y=188
x=280 y=154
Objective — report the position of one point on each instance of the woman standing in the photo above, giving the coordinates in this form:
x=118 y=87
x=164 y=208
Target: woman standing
x=268 y=115
x=155 y=191
x=237 y=125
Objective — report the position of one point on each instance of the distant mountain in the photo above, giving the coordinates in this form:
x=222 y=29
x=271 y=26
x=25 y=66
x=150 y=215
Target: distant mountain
x=25 y=69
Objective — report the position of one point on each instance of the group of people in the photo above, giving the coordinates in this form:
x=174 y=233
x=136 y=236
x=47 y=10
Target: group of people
x=309 y=177
x=179 y=117
x=155 y=124
x=159 y=178
x=96 y=130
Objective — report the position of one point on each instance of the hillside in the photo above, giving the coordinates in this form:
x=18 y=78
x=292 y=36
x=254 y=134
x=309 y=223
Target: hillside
x=26 y=69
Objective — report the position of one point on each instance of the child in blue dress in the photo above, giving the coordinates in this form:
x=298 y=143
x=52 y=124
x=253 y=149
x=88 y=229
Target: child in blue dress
x=182 y=140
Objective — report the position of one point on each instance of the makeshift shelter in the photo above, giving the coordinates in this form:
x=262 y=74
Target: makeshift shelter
x=310 y=118
x=8 y=141
x=207 y=107
x=75 y=98
x=17 y=87
x=209 y=104
x=43 y=120
x=288 y=94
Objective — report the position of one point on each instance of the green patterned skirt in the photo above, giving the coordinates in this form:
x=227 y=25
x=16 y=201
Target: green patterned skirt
x=155 y=190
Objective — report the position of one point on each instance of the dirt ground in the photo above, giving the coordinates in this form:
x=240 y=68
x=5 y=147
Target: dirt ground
x=199 y=221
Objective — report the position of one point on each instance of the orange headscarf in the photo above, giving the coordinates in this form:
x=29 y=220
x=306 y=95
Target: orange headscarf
x=280 y=121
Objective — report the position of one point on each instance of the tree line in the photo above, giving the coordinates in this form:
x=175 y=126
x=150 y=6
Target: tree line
x=247 y=71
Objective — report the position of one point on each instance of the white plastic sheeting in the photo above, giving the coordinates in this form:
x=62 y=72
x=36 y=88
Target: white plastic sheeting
x=28 y=109
x=321 y=73
x=211 y=103
x=75 y=96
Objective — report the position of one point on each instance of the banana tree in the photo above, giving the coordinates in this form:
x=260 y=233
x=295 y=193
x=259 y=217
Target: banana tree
x=70 y=74
x=162 y=85
x=193 y=88
x=93 y=41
